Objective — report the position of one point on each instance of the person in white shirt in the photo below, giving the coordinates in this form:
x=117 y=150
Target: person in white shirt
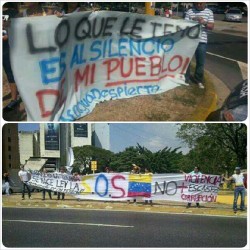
x=238 y=178
x=205 y=18
x=24 y=177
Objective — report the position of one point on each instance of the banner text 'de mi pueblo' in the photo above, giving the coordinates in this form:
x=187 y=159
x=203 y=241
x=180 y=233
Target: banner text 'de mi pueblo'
x=123 y=186
x=64 y=66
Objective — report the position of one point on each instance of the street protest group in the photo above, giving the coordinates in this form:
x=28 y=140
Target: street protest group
x=138 y=188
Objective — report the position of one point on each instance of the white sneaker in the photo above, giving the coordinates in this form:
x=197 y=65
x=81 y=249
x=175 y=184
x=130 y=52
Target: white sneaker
x=201 y=86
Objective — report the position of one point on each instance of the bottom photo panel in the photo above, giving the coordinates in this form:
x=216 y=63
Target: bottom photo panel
x=133 y=185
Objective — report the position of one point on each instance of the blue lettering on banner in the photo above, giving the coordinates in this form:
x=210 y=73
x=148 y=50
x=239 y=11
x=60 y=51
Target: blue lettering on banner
x=77 y=57
x=52 y=69
x=97 y=95
x=101 y=176
x=123 y=47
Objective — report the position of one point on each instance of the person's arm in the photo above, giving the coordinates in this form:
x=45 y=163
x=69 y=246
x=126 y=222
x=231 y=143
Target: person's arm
x=20 y=178
x=227 y=179
x=5 y=37
x=209 y=25
x=181 y=171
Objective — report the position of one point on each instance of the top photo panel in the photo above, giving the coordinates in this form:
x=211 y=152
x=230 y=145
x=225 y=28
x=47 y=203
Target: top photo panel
x=118 y=61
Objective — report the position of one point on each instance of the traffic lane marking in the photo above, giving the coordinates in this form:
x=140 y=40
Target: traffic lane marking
x=223 y=57
x=69 y=223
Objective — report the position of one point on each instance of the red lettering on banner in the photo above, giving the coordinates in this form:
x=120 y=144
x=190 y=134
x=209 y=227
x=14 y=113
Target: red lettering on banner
x=116 y=187
x=198 y=198
x=182 y=187
x=87 y=75
x=130 y=64
x=155 y=65
x=58 y=95
x=139 y=65
x=179 y=59
x=185 y=65
x=42 y=96
x=109 y=64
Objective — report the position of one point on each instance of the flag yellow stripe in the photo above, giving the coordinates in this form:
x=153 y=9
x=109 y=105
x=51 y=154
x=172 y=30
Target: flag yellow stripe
x=140 y=178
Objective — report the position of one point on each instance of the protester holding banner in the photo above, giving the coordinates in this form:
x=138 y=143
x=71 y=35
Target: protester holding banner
x=6 y=184
x=108 y=170
x=68 y=8
x=24 y=177
x=196 y=171
x=148 y=172
x=33 y=9
x=205 y=17
x=135 y=170
x=63 y=172
x=76 y=176
x=238 y=178
x=9 y=11
x=46 y=190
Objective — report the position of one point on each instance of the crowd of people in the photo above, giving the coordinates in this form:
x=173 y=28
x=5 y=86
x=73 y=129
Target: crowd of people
x=237 y=178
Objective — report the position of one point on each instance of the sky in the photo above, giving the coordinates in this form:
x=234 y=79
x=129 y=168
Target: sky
x=153 y=136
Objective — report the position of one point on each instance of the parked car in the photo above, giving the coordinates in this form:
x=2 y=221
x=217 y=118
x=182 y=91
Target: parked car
x=219 y=10
x=235 y=107
x=233 y=15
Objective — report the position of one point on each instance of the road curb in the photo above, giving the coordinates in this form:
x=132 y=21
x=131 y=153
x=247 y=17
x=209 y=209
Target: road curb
x=209 y=102
x=223 y=206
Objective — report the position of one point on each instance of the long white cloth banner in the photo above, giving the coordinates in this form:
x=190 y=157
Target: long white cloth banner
x=64 y=66
x=120 y=186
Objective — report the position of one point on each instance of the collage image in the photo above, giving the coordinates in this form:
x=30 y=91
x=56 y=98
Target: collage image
x=124 y=124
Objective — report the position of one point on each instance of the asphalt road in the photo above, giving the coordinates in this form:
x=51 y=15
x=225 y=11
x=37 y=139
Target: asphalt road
x=224 y=51
x=233 y=48
x=78 y=228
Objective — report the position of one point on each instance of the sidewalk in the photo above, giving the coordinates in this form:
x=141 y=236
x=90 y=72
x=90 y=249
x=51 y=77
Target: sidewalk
x=223 y=206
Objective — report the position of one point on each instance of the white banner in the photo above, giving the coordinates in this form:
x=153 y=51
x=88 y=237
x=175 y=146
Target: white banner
x=64 y=66
x=120 y=186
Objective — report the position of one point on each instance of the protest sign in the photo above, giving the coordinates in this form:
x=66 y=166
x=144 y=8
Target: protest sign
x=120 y=186
x=64 y=66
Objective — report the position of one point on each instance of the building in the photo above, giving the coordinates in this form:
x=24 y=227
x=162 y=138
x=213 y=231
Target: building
x=101 y=135
x=80 y=134
x=49 y=147
x=28 y=145
x=10 y=150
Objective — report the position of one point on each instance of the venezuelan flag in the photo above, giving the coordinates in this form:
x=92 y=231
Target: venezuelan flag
x=139 y=185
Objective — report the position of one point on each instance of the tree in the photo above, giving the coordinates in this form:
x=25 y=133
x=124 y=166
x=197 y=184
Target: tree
x=85 y=154
x=163 y=161
x=121 y=162
x=220 y=145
